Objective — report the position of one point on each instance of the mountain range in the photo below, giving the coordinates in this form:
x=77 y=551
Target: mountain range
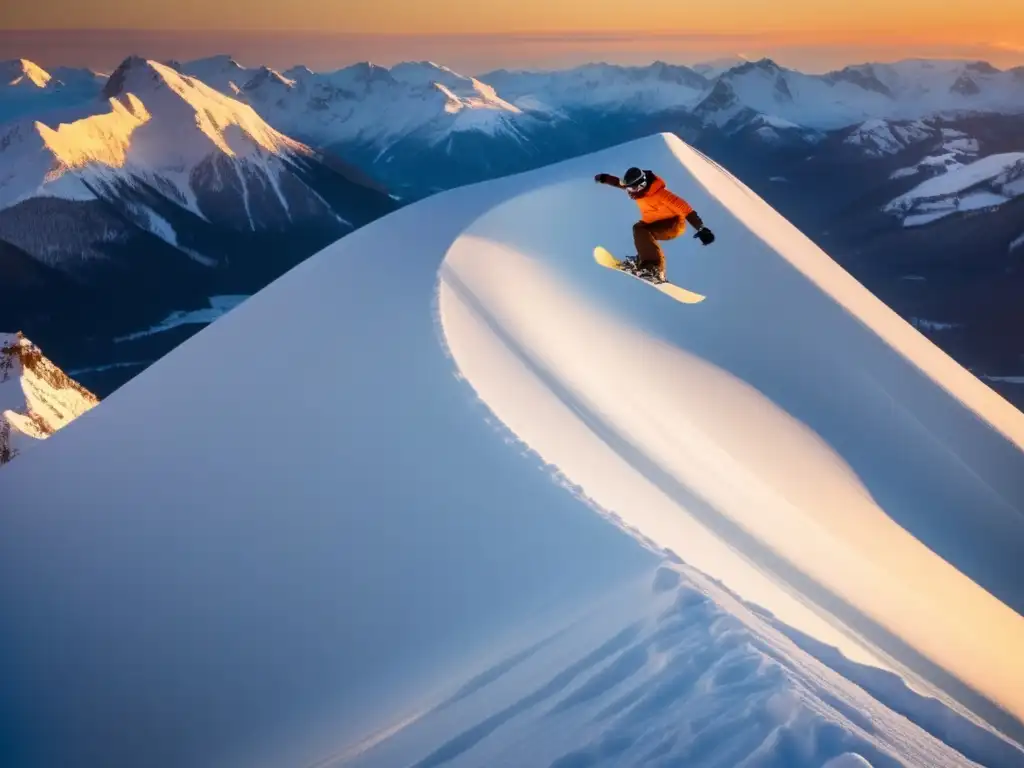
x=148 y=198
x=167 y=183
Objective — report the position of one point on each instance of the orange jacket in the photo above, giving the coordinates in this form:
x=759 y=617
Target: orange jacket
x=658 y=203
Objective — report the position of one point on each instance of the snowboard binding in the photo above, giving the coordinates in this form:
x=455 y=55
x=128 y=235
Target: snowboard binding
x=644 y=273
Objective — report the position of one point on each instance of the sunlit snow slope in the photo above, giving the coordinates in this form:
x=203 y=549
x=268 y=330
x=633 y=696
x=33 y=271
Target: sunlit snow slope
x=792 y=415
x=300 y=526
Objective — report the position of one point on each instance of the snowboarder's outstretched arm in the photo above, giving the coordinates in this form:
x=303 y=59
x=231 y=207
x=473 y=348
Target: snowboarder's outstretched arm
x=607 y=178
x=684 y=209
x=702 y=233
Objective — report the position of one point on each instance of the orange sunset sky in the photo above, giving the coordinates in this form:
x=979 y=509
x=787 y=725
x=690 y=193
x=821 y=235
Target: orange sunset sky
x=478 y=34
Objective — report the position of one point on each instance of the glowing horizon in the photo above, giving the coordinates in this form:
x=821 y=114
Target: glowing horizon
x=474 y=53
x=993 y=18
x=801 y=33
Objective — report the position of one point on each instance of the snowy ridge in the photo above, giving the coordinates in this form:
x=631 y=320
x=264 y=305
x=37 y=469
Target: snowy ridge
x=957 y=150
x=716 y=67
x=374 y=105
x=791 y=439
x=36 y=397
x=985 y=183
x=653 y=88
x=79 y=78
x=678 y=460
x=904 y=91
x=23 y=74
x=28 y=89
x=221 y=72
x=879 y=137
x=685 y=658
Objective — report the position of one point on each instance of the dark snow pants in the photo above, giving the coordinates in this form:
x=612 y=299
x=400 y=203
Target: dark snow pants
x=646 y=236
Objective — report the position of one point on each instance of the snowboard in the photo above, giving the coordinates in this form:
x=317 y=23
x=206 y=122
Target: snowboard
x=606 y=259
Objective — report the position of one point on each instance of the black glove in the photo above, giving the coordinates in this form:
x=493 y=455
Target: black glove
x=705 y=235
x=605 y=178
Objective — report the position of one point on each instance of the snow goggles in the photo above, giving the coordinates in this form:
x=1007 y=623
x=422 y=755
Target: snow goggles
x=637 y=185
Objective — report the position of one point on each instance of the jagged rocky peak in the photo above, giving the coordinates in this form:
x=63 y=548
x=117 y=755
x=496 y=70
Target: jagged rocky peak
x=981 y=68
x=36 y=397
x=862 y=75
x=965 y=86
x=266 y=76
x=24 y=73
x=762 y=65
x=134 y=69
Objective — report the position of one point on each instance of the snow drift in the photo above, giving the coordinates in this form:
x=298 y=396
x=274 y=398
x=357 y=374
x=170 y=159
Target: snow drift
x=298 y=532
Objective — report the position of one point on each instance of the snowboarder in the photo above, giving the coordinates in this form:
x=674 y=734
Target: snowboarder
x=663 y=216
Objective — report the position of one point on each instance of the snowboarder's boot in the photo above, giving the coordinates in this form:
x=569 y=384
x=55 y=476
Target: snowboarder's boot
x=650 y=273
x=647 y=272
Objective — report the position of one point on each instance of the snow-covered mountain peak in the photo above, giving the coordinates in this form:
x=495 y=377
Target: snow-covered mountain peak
x=861 y=76
x=765 y=65
x=375 y=105
x=363 y=73
x=101 y=138
x=266 y=87
x=752 y=87
x=989 y=182
x=221 y=72
x=269 y=77
x=157 y=126
x=965 y=85
x=474 y=94
x=716 y=67
x=647 y=89
x=298 y=72
x=217 y=61
x=461 y=91
x=981 y=68
x=79 y=77
x=936 y=78
x=22 y=73
x=721 y=104
x=655 y=74
x=144 y=88
x=425 y=73
x=763 y=75
x=36 y=397
x=135 y=73
x=879 y=137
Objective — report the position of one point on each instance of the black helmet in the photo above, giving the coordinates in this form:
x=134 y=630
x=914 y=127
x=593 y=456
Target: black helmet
x=634 y=179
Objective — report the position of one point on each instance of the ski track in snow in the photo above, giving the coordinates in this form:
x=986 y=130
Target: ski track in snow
x=344 y=547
